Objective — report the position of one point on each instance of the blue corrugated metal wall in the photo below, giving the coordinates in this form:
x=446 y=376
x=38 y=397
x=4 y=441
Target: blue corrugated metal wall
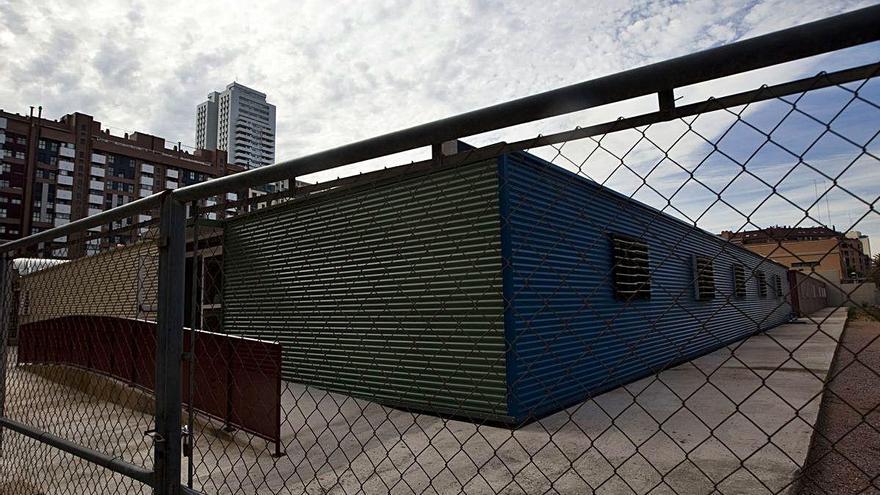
x=569 y=338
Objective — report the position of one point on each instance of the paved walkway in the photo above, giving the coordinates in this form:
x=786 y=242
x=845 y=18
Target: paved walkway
x=739 y=418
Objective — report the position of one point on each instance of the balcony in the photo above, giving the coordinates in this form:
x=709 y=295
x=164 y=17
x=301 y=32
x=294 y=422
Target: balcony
x=68 y=152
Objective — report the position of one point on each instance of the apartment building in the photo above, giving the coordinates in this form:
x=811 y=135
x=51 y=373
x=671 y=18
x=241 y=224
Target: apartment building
x=808 y=249
x=240 y=121
x=57 y=171
x=863 y=239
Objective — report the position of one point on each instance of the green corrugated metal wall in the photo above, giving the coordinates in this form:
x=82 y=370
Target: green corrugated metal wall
x=391 y=293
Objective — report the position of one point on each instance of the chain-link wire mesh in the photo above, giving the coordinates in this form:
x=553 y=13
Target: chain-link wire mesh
x=80 y=357
x=652 y=305
x=656 y=304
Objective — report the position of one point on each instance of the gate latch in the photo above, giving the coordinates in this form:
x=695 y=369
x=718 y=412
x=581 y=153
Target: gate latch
x=154 y=435
x=187 y=441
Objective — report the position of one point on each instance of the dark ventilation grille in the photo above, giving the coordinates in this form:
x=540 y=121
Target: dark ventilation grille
x=704 y=278
x=632 y=277
x=762 y=283
x=739 y=281
x=777 y=285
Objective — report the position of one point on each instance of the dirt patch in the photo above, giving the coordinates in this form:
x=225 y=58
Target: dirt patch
x=844 y=457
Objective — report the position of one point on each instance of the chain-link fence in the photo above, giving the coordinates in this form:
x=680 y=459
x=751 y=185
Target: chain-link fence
x=80 y=366
x=654 y=304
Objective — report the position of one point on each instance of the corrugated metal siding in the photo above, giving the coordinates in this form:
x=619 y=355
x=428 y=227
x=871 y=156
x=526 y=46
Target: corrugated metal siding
x=570 y=338
x=391 y=293
x=808 y=294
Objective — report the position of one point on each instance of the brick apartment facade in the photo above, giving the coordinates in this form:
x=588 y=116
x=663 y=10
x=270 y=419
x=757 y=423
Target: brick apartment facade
x=808 y=249
x=54 y=172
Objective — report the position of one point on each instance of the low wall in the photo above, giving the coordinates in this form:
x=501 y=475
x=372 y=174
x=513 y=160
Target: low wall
x=237 y=380
x=852 y=294
x=861 y=294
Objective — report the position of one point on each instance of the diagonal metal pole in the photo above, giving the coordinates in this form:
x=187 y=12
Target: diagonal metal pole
x=169 y=346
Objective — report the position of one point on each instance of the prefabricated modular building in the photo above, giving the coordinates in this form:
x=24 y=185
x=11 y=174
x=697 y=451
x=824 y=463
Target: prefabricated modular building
x=501 y=290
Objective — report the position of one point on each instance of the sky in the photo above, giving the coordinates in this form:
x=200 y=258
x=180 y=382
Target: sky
x=339 y=72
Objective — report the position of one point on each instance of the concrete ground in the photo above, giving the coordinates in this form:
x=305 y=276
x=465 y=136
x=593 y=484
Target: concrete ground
x=738 y=420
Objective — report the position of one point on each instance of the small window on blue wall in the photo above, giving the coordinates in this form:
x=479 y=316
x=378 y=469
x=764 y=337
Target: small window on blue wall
x=739 y=280
x=632 y=275
x=762 y=283
x=704 y=278
x=777 y=286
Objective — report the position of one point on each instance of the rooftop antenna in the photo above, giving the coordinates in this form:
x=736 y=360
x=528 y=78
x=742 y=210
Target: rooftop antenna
x=827 y=206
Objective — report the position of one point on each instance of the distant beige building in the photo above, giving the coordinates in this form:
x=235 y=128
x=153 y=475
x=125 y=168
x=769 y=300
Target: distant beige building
x=121 y=282
x=866 y=242
x=808 y=249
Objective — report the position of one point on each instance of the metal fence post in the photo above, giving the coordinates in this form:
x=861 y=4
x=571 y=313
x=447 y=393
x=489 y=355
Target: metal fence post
x=5 y=301
x=169 y=346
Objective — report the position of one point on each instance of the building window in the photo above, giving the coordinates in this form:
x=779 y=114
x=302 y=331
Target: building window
x=632 y=276
x=777 y=285
x=704 y=278
x=762 y=283
x=739 y=280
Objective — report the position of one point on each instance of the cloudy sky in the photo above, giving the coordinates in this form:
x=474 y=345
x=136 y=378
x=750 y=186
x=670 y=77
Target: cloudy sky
x=344 y=71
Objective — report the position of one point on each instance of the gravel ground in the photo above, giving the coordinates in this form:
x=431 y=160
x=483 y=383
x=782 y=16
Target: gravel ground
x=845 y=455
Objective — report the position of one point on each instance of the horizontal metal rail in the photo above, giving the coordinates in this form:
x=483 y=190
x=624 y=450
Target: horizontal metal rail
x=827 y=35
x=745 y=98
x=114 y=464
x=484 y=153
x=120 y=212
